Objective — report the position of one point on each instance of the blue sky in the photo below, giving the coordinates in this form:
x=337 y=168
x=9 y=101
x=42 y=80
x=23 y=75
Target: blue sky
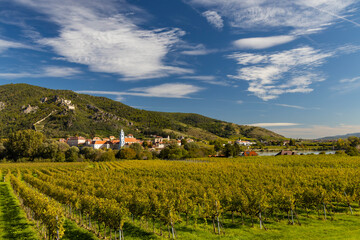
x=290 y=66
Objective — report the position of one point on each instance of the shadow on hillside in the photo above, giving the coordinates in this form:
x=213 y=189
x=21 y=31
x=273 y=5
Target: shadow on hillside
x=135 y=232
x=14 y=224
x=74 y=232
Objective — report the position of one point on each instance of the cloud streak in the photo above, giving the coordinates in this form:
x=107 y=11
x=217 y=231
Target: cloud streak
x=198 y=50
x=347 y=85
x=317 y=131
x=303 y=16
x=273 y=124
x=214 y=19
x=207 y=79
x=290 y=106
x=49 y=71
x=262 y=42
x=4 y=45
x=167 y=90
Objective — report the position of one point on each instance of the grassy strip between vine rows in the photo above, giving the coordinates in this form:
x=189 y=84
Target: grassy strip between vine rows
x=13 y=223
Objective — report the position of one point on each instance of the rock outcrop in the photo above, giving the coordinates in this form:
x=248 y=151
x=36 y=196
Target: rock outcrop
x=64 y=102
x=29 y=109
x=2 y=105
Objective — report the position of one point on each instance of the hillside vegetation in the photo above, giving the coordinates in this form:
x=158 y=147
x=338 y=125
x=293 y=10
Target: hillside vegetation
x=61 y=113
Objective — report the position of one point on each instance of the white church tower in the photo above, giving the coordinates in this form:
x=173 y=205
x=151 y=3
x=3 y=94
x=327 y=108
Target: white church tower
x=122 y=139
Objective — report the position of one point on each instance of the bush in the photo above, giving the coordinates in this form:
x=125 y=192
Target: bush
x=127 y=153
x=72 y=154
x=352 y=151
x=107 y=156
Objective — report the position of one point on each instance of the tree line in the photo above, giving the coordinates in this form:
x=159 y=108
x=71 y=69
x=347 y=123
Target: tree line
x=33 y=146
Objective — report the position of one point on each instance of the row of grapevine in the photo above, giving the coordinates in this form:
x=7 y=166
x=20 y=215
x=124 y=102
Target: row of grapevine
x=167 y=191
x=202 y=192
x=40 y=208
x=107 y=211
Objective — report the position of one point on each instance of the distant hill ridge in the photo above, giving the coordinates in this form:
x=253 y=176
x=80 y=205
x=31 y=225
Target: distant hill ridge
x=61 y=113
x=340 y=136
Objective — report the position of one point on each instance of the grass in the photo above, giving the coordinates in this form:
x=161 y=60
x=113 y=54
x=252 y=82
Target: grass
x=73 y=232
x=13 y=223
x=343 y=227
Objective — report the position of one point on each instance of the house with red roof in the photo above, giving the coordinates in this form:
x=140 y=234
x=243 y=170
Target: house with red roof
x=75 y=141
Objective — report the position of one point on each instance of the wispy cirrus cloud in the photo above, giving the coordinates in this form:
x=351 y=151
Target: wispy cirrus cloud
x=317 y=131
x=207 y=79
x=303 y=16
x=263 y=42
x=214 y=19
x=197 y=50
x=103 y=36
x=5 y=44
x=274 y=74
x=347 y=85
x=273 y=124
x=290 y=106
x=167 y=90
x=48 y=71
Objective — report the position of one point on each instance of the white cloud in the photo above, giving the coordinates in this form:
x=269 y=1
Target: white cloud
x=273 y=124
x=355 y=79
x=317 y=131
x=239 y=101
x=207 y=79
x=167 y=90
x=197 y=50
x=49 y=71
x=263 y=42
x=347 y=85
x=214 y=19
x=98 y=35
x=274 y=74
x=302 y=16
x=4 y=45
x=290 y=106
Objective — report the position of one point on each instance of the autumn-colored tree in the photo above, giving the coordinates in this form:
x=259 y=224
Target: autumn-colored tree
x=24 y=143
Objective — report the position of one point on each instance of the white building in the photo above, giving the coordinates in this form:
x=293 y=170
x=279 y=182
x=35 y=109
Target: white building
x=244 y=143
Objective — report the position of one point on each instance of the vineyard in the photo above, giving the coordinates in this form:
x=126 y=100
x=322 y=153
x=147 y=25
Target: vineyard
x=263 y=197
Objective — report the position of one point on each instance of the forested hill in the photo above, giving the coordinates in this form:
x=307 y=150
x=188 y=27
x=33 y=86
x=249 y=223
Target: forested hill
x=61 y=113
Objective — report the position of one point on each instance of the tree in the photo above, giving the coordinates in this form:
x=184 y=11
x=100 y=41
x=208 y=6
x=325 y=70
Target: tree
x=354 y=141
x=218 y=145
x=48 y=150
x=352 y=151
x=173 y=151
x=107 y=156
x=24 y=143
x=191 y=145
x=137 y=148
x=72 y=154
x=292 y=142
x=89 y=153
x=2 y=151
x=127 y=153
x=145 y=155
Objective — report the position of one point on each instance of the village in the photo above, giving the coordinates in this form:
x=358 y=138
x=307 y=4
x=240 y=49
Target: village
x=155 y=143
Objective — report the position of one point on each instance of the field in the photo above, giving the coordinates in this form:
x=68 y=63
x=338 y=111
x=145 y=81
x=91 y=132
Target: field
x=289 y=197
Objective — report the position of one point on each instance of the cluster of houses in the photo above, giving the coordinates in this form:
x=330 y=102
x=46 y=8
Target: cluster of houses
x=244 y=143
x=112 y=142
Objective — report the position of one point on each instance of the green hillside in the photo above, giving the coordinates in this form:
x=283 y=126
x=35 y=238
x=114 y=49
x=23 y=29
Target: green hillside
x=24 y=106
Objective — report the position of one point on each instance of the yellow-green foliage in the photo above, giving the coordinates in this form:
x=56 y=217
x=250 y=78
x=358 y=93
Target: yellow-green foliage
x=171 y=192
x=49 y=212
